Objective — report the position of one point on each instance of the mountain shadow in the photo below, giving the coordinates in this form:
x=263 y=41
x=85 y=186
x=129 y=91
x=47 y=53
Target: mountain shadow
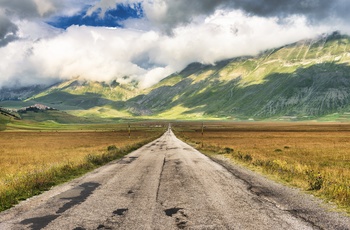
x=66 y=101
x=312 y=91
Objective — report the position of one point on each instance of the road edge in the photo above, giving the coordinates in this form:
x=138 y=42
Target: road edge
x=305 y=206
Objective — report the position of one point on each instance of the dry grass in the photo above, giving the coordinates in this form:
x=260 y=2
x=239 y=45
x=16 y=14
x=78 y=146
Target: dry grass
x=25 y=151
x=315 y=157
x=31 y=162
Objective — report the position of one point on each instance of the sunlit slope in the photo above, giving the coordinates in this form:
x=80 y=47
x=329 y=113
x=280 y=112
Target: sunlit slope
x=109 y=91
x=88 y=98
x=304 y=80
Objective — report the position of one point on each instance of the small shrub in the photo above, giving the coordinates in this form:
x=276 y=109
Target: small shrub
x=94 y=159
x=278 y=150
x=247 y=157
x=258 y=163
x=239 y=155
x=244 y=157
x=269 y=164
x=315 y=180
x=112 y=148
x=228 y=150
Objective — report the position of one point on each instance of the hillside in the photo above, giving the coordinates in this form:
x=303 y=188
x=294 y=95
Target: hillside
x=87 y=98
x=40 y=113
x=7 y=116
x=21 y=93
x=306 y=80
x=3 y=122
x=40 y=117
x=4 y=119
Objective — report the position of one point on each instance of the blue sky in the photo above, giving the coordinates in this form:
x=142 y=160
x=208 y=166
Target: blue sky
x=111 y=17
x=42 y=42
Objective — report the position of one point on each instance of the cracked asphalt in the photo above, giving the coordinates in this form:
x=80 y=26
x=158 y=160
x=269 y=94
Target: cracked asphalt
x=167 y=184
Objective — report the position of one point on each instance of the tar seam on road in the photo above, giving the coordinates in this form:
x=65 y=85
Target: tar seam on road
x=160 y=179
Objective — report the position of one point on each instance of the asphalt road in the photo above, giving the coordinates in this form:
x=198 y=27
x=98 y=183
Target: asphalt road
x=169 y=185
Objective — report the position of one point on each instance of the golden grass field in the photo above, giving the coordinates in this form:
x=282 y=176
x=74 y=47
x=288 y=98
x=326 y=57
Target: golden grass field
x=314 y=157
x=34 y=161
x=27 y=151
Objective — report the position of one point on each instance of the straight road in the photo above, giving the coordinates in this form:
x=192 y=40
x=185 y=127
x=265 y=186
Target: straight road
x=169 y=185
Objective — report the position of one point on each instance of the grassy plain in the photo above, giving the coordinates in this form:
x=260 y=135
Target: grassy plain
x=314 y=156
x=33 y=161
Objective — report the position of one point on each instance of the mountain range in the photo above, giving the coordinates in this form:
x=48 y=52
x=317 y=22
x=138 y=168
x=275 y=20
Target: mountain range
x=306 y=80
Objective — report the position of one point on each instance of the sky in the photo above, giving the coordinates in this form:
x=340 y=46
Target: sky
x=44 y=42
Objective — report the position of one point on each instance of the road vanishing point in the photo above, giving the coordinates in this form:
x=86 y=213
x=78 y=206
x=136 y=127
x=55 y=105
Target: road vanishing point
x=167 y=184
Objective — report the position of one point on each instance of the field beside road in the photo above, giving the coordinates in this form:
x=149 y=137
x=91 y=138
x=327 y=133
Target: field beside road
x=167 y=184
x=314 y=156
x=36 y=160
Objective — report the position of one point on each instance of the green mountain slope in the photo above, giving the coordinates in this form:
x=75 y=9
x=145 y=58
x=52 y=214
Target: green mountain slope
x=305 y=80
x=87 y=98
x=4 y=119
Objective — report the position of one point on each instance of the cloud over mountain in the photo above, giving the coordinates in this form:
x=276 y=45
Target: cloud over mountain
x=157 y=38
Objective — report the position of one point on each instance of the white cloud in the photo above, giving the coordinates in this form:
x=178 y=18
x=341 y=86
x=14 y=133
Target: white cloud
x=169 y=14
x=140 y=50
x=228 y=34
x=93 y=53
x=154 y=75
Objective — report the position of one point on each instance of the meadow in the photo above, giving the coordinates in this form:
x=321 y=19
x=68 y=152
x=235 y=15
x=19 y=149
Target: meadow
x=34 y=161
x=312 y=156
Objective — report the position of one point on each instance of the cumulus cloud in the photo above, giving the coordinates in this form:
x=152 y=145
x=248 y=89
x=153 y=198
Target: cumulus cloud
x=105 y=54
x=203 y=31
x=104 y=5
x=169 y=14
x=15 y=12
x=30 y=8
x=8 y=31
x=312 y=9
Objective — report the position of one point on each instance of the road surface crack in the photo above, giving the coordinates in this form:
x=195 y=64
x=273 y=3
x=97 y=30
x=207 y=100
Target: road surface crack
x=297 y=214
x=160 y=178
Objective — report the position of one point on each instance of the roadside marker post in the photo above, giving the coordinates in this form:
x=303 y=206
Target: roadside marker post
x=129 y=130
x=202 y=133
